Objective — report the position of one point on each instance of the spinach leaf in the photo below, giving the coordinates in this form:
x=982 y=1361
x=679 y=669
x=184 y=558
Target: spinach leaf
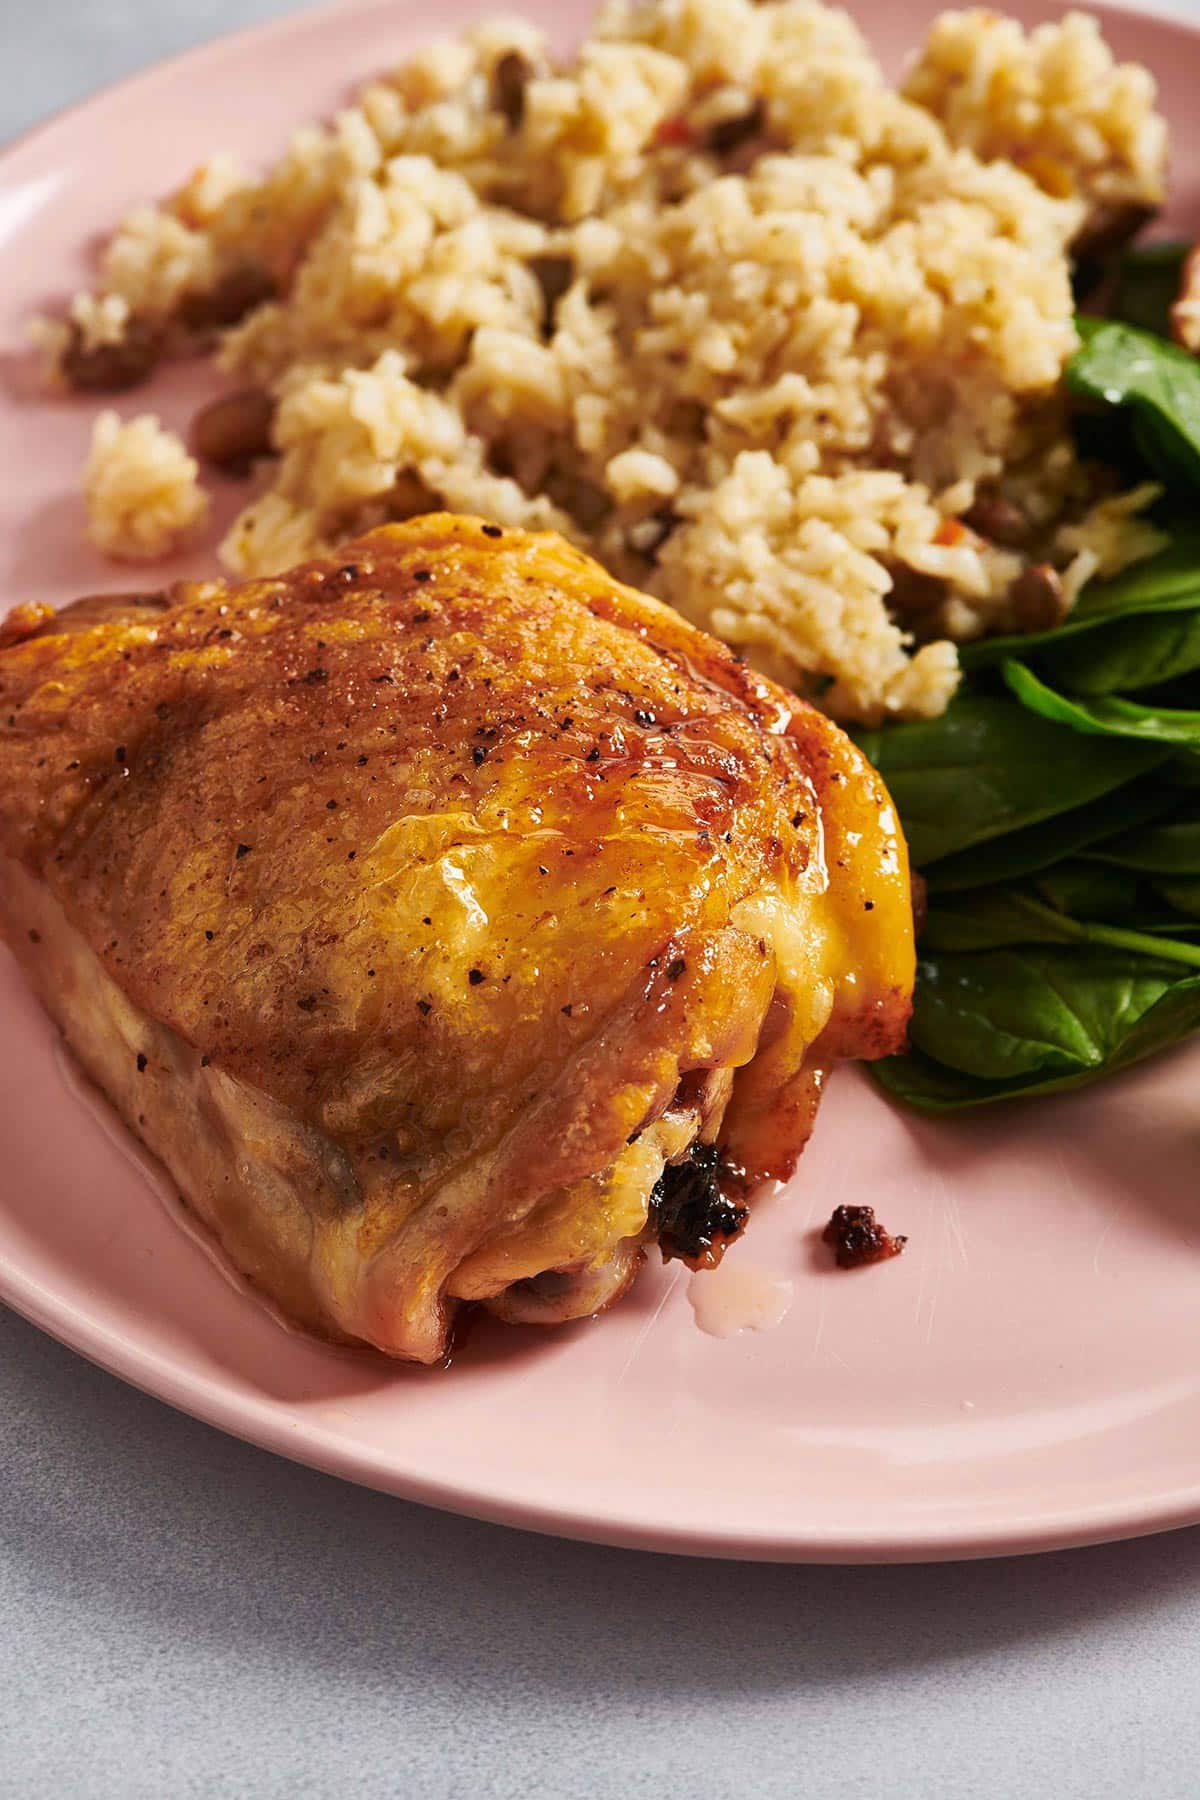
x=929 y=1086
x=1034 y=848
x=1130 y=653
x=990 y=919
x=1167 y=582
x=1146 y=284
x=1048 y=1011
x=1170 y=849
x=1104 y=716
x=984 y=768
x=993 y=918
x=1064 y=889
x=1172 y=573
x=1156 y=382
x=1183 y=771
x=1184 y=896
x=1090 y=890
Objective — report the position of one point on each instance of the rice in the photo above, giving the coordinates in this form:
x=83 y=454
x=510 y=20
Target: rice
x=140 y=489
x=1053 y=102
x=715 y=301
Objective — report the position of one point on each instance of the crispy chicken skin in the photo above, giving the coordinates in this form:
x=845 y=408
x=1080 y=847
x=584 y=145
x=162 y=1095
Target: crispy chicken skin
x=416 y=907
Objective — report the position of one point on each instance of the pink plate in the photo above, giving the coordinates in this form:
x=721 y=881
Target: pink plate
x=1025 y=1376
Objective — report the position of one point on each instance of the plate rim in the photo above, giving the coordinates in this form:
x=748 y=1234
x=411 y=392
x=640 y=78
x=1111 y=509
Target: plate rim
x=258 y=1422
x=190 y=1394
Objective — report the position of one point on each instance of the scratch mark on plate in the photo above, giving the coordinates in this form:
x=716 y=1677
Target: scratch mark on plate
x=819 y=1323
x=1100 y=1243
x=647 y=1328
x=954 y=1221
x=1068 y=1178
x=932 y=1302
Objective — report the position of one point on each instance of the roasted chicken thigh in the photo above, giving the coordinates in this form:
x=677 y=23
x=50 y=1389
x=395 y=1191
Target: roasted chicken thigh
x=453 y=922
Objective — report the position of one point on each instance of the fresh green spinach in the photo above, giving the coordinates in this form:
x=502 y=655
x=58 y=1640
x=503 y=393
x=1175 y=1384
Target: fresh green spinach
x=1183 y=771
x=1146 y=1014
x=982 y=769
x=1091 y=891
x=1106 y=715
x=1034 y=848
x=1044 y=1010
x=1145 y=285
x=1015 y=1024
x=1184 y=896
x=996 y=918
x=1157 y=384
x=1168 y=849
x=1130 y=653
x=1054 y=809
x=1166 y=583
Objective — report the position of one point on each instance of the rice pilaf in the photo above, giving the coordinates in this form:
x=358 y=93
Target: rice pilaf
x=775 y=341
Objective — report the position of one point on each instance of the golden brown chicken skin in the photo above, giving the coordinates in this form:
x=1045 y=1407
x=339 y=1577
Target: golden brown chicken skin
x=452 y=921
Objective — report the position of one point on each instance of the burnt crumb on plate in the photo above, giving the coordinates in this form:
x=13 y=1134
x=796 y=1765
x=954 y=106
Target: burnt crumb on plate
x=858 y=1238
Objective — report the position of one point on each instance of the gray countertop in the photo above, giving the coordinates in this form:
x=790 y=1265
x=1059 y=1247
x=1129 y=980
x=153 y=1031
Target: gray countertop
x=181 y=1614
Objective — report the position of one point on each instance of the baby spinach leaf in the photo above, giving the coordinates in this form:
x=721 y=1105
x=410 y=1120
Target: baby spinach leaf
x=1183 y=895
x=994 y=1014
x=1157 y=382
x=987 y=766
x=1170 y=849
x=1130 y=653
x=1146 y=283
x=931 y=1086
x=1090 y=890
x=1104 y=716
x=1062 y=935
x=1172 y=573
x=1183 y=771
x=1047 y=1010
x=989 y=919
x=1037 y=847
x=993 y=918
x=1164 y=583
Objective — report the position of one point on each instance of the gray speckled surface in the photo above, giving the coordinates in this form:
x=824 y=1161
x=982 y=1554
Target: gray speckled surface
x=181 y=1614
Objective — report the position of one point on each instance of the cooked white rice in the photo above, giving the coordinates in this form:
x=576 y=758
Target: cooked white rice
x=141 y=489
x=807 y=319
